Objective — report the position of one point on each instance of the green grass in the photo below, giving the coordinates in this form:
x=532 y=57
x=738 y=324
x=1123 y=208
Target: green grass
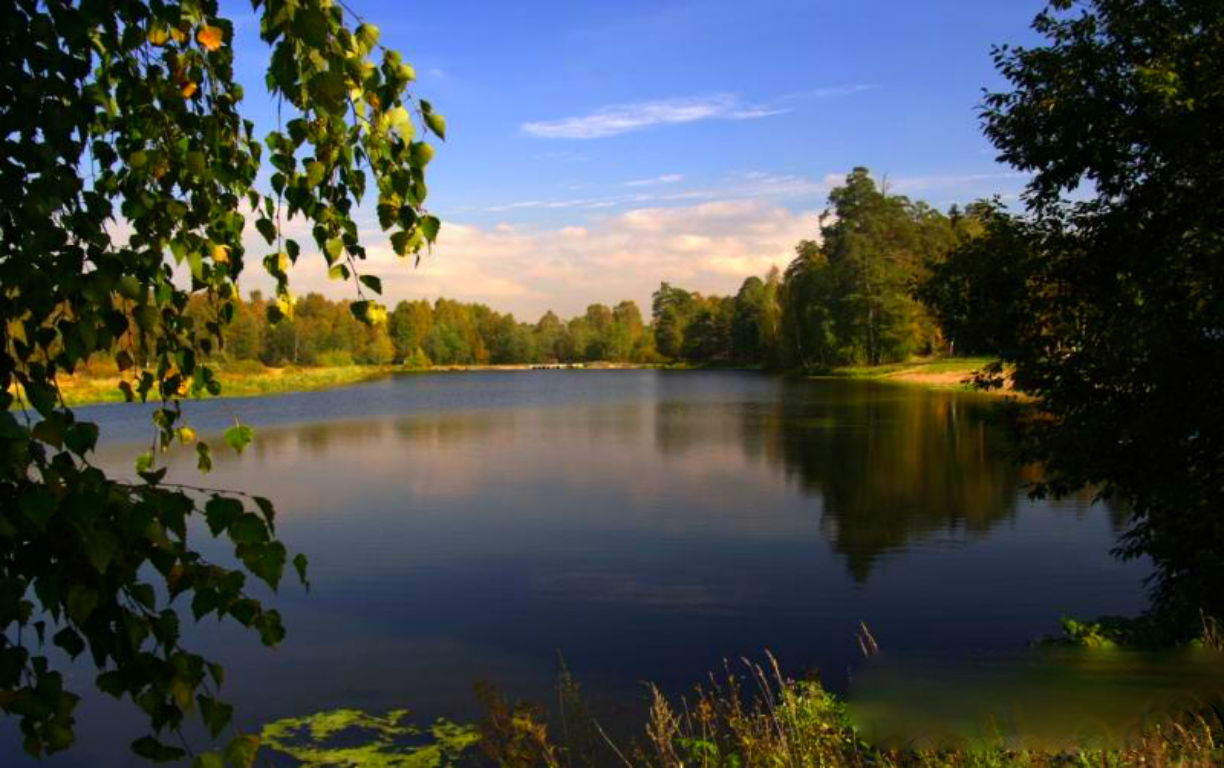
x=761 y=718
x=932 y=373
x=101 y=386
x=958 y=365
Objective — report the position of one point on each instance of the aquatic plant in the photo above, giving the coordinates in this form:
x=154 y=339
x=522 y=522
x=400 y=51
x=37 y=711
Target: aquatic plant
x=351 y=737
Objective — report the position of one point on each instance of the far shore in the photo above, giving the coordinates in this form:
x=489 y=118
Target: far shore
x=251 y=380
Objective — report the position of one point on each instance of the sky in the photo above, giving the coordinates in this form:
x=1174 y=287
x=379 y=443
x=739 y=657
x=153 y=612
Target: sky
x=595 y=149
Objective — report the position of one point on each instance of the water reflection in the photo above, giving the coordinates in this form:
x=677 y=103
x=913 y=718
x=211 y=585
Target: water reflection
x=886 y=466
x=936 y=468
x=649 y=524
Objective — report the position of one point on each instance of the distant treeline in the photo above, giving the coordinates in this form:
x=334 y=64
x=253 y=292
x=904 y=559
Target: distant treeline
x=853 y=297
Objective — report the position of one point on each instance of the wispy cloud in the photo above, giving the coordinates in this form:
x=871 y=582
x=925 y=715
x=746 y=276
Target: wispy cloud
x=750 y=185
x=667 y=178
x=912 y=184
x=616 y=119
x=849 y=89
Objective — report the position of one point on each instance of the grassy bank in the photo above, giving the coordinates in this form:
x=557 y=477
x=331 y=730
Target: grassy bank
x=936 y=373
x=100 y=382
x=241 y=381
x=752 y=717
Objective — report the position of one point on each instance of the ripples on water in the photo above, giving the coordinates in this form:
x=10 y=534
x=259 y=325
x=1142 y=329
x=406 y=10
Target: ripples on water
x=646 y=524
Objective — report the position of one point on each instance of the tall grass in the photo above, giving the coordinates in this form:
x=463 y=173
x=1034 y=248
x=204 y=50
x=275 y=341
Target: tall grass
x=759 y=717
x=100 y=383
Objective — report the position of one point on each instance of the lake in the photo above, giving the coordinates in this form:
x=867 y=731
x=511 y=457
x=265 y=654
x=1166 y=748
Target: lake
x=646 y=525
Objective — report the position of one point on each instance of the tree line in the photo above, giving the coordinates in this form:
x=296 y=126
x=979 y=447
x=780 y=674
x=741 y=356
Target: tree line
x=862 y=294
x=421 y=333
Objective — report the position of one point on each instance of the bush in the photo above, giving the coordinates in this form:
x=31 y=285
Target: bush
x=418 y=360
x=335 y=358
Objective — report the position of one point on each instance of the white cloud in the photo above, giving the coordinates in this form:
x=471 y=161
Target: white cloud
x=753 y=184
x=622 y=118
x=710 y=247
x=667 y=178
x=616 y=119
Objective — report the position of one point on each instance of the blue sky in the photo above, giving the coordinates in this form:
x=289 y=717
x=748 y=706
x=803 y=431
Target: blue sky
x=596 y=148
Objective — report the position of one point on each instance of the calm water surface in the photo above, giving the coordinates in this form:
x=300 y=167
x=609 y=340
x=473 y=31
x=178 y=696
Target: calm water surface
x=647 y=525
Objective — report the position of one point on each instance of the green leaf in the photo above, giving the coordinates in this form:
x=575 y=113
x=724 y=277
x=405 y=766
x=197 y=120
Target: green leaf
x=333 y=248
x=153 y=750
x=239 y=436
x=221 y=512
x=100 y=547
x=429 y=227
x=436 y=123
x=38 y=506
x=266 y=228
x=81 y=437
x=208 y=760
x=421 y=153
x=70 y=641
x=314 y=173
x=111 y=683
x=144 y=594
x=248 y=529
x=240 y=752
x=216 y=714
x=204 y=460
x=399 y=120
x=299 y=565
x=50 y=430
x=372 y=282
x=399 y=242
x=41 y=396
x=265 y=508
x=367 y=36
x=81 y=603
x=144 y=462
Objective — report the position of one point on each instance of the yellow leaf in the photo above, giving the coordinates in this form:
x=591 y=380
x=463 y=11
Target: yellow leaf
x=178 y=34
x=210 y=37
x=158 y=36
x=220 y=254
x=189 y=89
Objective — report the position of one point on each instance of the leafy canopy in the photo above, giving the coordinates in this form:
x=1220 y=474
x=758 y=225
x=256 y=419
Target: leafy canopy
x=1113 y=296
x=128 y=176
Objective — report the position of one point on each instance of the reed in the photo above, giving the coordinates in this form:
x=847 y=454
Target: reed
x=759 y=717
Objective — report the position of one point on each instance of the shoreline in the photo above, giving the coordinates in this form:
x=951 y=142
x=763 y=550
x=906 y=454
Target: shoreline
x=92 y=389
x=943 y=374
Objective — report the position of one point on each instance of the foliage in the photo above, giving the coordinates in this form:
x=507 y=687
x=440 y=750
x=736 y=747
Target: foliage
x=1087 y=635
x=127 y=179
x=849 y=299
x=353 y=737
x=446 y=332
x=976 y=293
x=762 y=718
x=514 y=735
x=1117 y=274
x=739 y=330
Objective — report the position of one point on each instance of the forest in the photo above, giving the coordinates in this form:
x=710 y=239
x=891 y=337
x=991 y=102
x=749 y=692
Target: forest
x=851 y=296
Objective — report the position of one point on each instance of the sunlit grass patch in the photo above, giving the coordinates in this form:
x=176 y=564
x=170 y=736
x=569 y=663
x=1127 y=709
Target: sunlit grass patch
x=238 y=379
